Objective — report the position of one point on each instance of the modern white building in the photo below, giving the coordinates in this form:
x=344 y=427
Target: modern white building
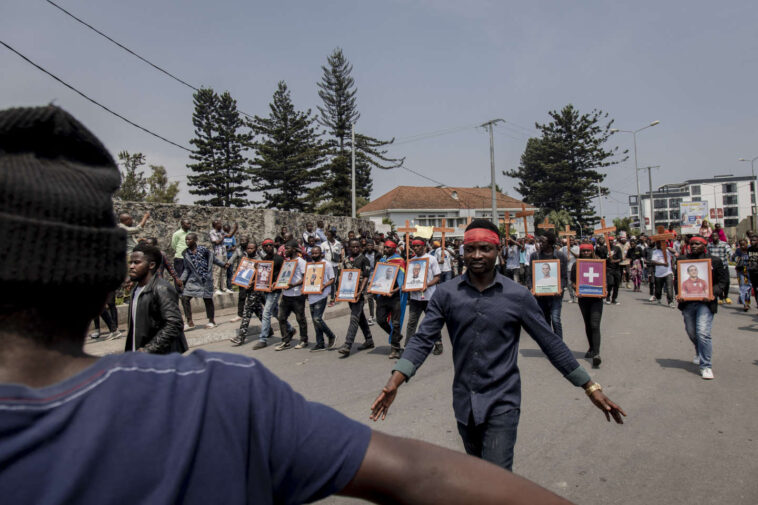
x=730 y=200
x=427 y=206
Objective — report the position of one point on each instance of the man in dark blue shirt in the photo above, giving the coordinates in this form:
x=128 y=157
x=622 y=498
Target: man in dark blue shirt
x=484 y=312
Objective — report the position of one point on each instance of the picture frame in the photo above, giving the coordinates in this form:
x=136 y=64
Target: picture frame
x=245 y=273
x=591 y=279
x=286 y=274
x=416 y=281
x=546 y=277
x=313 y=282
x=349 y=282
x=695 y=279
x=383 y=279
x=264 y=275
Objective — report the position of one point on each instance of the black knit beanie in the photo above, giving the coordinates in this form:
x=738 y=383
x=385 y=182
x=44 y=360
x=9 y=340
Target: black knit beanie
x=57 y=227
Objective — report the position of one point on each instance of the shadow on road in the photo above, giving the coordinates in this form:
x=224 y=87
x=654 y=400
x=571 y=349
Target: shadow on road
x=678 y=363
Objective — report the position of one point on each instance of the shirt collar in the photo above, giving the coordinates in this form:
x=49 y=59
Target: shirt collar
x=498 y=280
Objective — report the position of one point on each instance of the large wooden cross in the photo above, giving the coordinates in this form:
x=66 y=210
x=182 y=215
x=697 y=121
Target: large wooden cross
x=507 y=222
x=568 y=232
x=605 y=230
x=546 y=225
x=443 y=231
x=662 y=237
x=524 y=214
x=407 y=230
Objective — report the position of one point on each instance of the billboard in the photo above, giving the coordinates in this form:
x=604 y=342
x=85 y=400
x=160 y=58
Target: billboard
x=692 y=215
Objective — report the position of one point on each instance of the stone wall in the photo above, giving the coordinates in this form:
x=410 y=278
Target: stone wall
x=257 y=223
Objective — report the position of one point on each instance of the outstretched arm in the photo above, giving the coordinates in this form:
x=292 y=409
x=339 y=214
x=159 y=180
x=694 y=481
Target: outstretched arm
x=397 y=470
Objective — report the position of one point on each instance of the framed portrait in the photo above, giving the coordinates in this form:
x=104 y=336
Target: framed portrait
x=350 y=281
x=695 y=280
x=313 y=282
x=415 y=278
x=286 y=274
x=383 y=279
x=245 y=273
x=264 y=275
x=590 y=278
x=546 y=277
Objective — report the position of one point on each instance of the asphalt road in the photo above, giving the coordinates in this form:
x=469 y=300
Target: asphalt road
x=685 y=441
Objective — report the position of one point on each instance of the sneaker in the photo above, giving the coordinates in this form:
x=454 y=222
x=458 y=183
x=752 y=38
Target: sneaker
x=303 y=344
x=617 y=303
x=672 y=305
x=238 y=340
x=259 y=345
x=706 y=373
x=696 y=360
x=188 y=327
x=317 y=347
x=607 y=302
x=344 y=350
x=721 y=302
x=371 y=321
x=437 y=350
x=368 y=344
x=235 y=319
x=728 y=301
x=652 y=298
x=330 y=343
x=283 y=346
x=94 y=334
x=596 y=361
x=218 y=292
x=228 y=291
x=211 y=325
x=113 y=335
x=395 y=354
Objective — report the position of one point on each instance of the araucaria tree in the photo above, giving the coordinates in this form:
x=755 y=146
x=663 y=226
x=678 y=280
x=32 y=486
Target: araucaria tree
x=289 y=155
x=339 y=111
x=221 y=173
x=133 y=184
x=560 y=169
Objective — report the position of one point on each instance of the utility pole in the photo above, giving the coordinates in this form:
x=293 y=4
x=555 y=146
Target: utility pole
x=489 y=124
x=652 y=207
x=352 y=155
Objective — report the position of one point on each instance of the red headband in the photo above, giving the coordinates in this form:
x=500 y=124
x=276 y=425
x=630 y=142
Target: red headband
x=391 y=244
x=418 y=242
x=267 y=242
x=586 y=247
x=699 y=239
x=481 y=235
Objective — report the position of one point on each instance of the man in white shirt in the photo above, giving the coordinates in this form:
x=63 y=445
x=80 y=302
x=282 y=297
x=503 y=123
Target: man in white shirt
x=333 y=253
x=445 y=265
x=664 y=274
x=529 y=249
x=571 y=251
x=293 y=300
x=420 y=299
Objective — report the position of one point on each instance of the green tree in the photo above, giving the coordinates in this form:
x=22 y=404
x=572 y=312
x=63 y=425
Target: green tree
x=623 y=224
x=220 y=171
x=289 y=155
x=339 y=111
x=559 y=170
x=160 y=190
x=133 y=184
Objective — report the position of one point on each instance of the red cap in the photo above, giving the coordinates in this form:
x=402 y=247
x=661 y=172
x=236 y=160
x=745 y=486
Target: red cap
x=586 y=247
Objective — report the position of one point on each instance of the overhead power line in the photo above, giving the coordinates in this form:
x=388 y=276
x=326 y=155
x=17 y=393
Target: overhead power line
x=94 y=101
x=141 y=58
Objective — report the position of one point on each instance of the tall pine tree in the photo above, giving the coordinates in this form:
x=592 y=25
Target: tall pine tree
x=220 y=173
x=559 y=170
x=339 y=111
x=289 y=155
x=133 y=184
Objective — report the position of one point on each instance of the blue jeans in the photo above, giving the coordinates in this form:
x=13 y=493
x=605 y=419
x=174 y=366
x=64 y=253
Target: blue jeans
x=317 y=313
x=492 y=440
x=270 y=309
x=698 y=320
x=551 y=308
x=745 y=287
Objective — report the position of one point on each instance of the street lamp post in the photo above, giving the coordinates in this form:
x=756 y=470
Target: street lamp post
x=634 y=133
x=753 y=203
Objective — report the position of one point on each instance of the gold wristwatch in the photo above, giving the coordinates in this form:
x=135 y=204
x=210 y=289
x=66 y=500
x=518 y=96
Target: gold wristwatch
x=594 y=387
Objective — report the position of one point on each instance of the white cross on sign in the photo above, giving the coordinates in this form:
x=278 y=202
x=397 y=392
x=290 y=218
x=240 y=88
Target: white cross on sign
x=591 y=274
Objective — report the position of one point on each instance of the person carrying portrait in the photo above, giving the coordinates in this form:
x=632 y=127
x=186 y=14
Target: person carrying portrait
x=317 y=303
x=698 y=314
x=420 y=299
x=293 y=300
x=389 y=307
x=551 y=304
x=591 y=309
x=355 y=259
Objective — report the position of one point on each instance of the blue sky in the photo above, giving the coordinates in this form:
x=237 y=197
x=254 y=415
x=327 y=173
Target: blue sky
x=420 y=66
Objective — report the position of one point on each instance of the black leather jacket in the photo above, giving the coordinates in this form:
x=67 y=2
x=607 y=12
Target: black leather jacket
x=159 y=327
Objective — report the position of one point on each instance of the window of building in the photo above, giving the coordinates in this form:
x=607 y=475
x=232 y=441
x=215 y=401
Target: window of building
x=660 y=203
x=661 y=215
x=729 y=188
x=633 y=200
x=695 y=190
x=731 y=223
x=634 y=211
x=674 y=214
x=731 y=211
x=674 y=203
x=695 y=198
x=730 y=200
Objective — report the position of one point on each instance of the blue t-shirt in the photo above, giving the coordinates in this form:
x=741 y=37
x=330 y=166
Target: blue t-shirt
x=230 y=243
x=142 y=428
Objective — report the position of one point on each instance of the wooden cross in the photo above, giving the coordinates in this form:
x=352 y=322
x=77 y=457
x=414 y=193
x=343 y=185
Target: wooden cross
x=442 y=231
x=407 y=230
x=605 y=230
x=507 y=222
x=524 y=214
x=661 y=237
x=545 y=225
x=567 y=233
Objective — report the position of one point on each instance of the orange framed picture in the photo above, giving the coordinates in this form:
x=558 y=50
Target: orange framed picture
x=245 y=273
x=286 y=274
x=313 y=282
x=383 y=279
x=415 y=275
x=546 y=277
x=695 y=279
x=264 y=275
x=350 y=282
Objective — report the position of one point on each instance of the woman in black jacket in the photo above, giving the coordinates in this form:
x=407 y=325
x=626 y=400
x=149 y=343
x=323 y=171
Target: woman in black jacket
x=592 y=310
